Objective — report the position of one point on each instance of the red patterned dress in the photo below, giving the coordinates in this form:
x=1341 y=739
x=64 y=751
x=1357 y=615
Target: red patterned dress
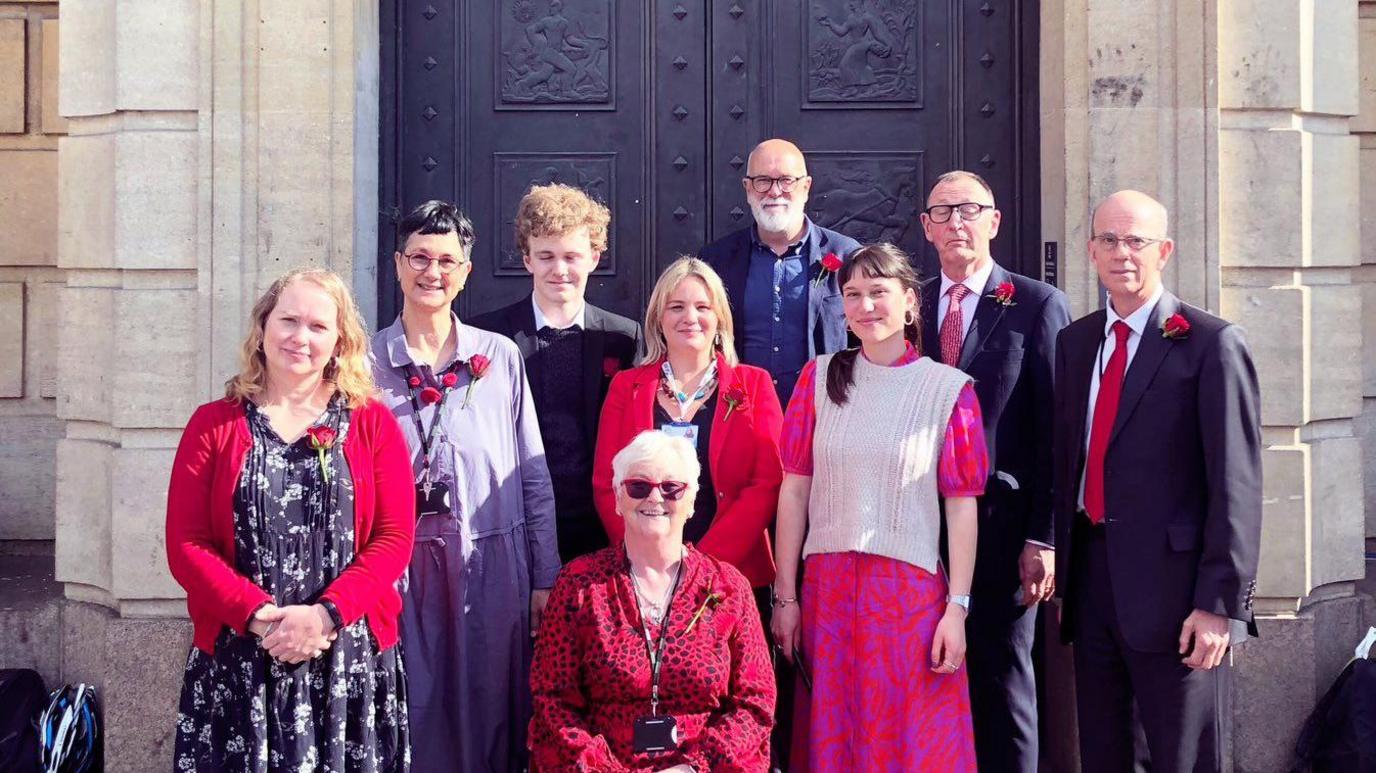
x=591 y=675
x=867 y=627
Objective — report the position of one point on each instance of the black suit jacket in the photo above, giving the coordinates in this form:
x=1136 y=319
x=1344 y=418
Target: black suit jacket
x=729 y=256
x=1182 y=475
x=611 y=343
x=1010 y=354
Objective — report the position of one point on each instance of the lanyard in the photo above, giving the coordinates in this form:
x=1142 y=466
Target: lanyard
x=426 y=437
x=708 y=380
x=655 y=651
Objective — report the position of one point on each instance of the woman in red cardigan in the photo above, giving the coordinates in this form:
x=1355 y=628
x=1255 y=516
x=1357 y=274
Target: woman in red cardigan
x=690 y=384
x=289 y=520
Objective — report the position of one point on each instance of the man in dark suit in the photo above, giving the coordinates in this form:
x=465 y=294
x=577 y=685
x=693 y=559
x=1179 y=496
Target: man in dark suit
x=1158 y=502
x=786 y=311
x=571 y=348
x=1000 y=328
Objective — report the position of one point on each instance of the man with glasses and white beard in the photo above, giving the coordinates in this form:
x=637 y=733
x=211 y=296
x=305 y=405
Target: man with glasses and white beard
x=780 y=272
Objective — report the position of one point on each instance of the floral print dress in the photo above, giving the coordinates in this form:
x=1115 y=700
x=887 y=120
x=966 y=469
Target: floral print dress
x=342 y=712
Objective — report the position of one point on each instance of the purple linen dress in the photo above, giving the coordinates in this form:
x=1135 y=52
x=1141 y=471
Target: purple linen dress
x=465 y=623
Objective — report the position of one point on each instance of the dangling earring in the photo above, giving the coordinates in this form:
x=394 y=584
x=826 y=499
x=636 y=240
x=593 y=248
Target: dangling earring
x=716 y=341
x=909 y=318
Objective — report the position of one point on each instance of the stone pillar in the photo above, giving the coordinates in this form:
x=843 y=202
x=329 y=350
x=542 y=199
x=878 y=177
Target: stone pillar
x=211 y=147
x=1237 y=116
x=1364 y=126
x=1290 y=248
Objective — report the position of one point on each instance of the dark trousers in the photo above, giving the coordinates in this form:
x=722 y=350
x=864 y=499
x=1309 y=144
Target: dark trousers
x=781 y=740
x=1180 y=709
x=1003 y=685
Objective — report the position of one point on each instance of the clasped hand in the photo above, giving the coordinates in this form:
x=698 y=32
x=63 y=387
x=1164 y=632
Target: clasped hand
x=293 y=634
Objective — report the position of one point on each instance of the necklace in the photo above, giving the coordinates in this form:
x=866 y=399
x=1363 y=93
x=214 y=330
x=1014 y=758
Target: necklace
x=651 y=610
x=671 y=387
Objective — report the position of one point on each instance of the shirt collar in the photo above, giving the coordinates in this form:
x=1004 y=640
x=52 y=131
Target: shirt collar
x=399 y=354
x=1136 y=320
x=975 y=283
x=796 y=248
x=542 y=321
x=909 y=355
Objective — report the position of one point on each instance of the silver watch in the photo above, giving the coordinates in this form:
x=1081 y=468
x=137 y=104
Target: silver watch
x=963 y=600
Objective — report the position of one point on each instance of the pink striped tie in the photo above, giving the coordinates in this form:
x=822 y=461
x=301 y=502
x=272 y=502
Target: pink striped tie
x=953 y=326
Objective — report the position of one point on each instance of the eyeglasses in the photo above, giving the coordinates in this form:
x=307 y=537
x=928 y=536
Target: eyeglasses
x=639 y=488
x=969 y=210
x=419 y=262
x=763 y=182
x=1110 y=242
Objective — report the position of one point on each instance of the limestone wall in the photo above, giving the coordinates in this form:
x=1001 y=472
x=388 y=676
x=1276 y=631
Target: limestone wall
x=29 y=278
x=1364 y=126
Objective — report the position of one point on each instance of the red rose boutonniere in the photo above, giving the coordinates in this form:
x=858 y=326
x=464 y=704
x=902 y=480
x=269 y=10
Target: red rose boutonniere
x=713 y=600
x=477 y=368
x=1176 y=327
x=322 y=438
x=450 y=379
x=430 y=395
x=1003 y=294
x=413 y=381
x=735 y=398
x=610 y=366
x=831 y=263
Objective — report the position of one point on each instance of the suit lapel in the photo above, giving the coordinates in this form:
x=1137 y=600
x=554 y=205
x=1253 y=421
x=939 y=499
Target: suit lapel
x=1150 y=352
x=1080 y=365
x=931 y=326
x=521 y=318
x=594 y=339
x=726 y=378
x=988 y=314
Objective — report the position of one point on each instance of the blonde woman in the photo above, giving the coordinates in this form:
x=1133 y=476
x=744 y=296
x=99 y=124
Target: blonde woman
x=690 y=384
x=289 y=518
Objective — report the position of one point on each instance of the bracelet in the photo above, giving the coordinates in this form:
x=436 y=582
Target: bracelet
x=780 y=601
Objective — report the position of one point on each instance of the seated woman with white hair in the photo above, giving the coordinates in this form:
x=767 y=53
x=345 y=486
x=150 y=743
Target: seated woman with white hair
x=650 y=655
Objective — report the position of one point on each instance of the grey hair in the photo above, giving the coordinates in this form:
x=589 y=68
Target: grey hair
x=652 y=444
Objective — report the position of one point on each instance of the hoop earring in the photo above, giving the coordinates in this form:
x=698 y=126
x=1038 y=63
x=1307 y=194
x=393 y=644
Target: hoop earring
x=909 y=318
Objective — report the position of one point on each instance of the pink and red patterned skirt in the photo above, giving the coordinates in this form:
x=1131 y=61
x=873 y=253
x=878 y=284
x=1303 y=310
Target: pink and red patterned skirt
x=875 y=704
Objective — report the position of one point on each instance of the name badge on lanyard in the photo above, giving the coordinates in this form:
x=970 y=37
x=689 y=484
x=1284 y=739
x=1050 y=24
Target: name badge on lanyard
x=684 y=429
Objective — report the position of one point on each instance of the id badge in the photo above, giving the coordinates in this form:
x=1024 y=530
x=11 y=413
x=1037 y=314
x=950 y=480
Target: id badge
x=432 y=499
x=683 y=429
x=654 y=734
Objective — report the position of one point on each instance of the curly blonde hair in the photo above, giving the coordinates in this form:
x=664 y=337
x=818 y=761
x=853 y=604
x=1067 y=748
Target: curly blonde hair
x=348 y=370
x=554 y=210
x=656 y=348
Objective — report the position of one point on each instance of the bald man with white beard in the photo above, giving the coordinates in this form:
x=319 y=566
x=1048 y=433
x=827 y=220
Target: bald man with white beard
x=785 y=302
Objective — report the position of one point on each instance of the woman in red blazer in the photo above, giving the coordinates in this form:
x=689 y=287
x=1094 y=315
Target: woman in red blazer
x=690 y=383
x=289 y=520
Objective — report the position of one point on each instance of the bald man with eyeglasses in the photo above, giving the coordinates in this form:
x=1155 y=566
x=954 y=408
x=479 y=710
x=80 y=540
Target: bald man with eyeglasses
x=786 y=303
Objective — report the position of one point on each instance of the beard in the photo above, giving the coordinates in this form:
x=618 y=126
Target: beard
x=774 y=221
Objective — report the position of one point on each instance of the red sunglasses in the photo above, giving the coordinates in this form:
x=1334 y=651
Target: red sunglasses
x=639 y=488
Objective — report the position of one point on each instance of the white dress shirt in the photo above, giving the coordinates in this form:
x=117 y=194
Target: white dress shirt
x=975 y=284
x=1137 y=323
x=541 y=321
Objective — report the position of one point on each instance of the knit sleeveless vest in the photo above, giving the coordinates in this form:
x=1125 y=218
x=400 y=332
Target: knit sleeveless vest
x=874 y=461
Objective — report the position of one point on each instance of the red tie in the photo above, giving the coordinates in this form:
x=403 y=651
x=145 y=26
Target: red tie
x=953 y=326
x=1105 y=412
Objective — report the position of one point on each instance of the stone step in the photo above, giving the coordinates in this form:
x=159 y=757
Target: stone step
x=31 y=616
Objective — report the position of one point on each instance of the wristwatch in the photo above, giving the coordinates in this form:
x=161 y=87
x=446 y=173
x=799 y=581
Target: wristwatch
x=962 y=599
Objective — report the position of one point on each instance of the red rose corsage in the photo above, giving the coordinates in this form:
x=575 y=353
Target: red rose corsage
x=712 y=601
x=430 y=395
x=450 y=379
x=321 y=438
x=831 y=263
x=1176 y=327
x=735 y=398
x=413 y=381
x=1003 y=294
x=610 y=366
x=477 y=368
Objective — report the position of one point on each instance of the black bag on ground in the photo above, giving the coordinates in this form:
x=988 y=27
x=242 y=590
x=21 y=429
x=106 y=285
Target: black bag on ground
x=22 y=697
x=1340 y=734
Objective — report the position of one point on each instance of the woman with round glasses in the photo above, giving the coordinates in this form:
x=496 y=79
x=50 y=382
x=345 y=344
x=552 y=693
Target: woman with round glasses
x=879 y=443
x=651 y=656
x=485 y=542
x=690 y=384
